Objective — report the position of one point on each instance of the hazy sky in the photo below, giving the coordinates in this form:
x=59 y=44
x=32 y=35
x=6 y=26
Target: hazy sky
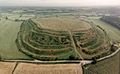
x=59 y=2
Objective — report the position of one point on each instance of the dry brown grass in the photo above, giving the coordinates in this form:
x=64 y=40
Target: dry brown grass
x=7 y=67
x=27 y=68
x=62 y=24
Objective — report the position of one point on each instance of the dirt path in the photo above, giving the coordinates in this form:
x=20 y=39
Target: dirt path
x=73 y=42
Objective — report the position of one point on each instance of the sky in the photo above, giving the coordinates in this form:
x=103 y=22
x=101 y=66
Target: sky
x=59 y=2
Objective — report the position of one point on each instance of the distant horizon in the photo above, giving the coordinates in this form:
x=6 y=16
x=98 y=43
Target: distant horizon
x=61 y=6
x=60 y=3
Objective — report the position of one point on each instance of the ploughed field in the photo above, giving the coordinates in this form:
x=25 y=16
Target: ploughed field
x=62 y=39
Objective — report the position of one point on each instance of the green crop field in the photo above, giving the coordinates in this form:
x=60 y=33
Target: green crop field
x=8 y=34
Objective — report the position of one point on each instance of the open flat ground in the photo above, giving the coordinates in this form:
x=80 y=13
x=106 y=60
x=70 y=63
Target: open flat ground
x=48 y=69
x=29 y=68
x=61 y=24
x=7 y=67
x=8 y=34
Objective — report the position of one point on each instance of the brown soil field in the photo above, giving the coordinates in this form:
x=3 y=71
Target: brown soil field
x=28 y=68
x=7 y=67
x=62 y=24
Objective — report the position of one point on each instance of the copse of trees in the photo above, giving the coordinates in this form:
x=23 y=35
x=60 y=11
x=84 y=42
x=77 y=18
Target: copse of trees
x=6 y=17
x=72 y=57
x=17 y=20
x=94 y=60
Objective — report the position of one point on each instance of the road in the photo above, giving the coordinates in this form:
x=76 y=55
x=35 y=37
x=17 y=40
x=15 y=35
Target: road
x=109 y=55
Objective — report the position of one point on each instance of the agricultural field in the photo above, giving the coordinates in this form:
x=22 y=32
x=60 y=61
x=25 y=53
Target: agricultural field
x=27 y=68
x=107 y=66
x=7 y=67
x=32 y=68
x=112 y=20
x=8 y=34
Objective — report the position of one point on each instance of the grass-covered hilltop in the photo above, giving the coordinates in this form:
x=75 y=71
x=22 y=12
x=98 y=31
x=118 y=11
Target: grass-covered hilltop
x=59 y=38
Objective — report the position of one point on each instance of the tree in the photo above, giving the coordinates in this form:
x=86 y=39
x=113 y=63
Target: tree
x=113 y=48
x=0 y=57
x=71 y=57
x=94 y=60
x=6 y=18
x=56 y=59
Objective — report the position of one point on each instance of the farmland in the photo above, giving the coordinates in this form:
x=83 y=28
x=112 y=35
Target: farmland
x=8 y=34
x=112 y=20
x=7 y=67
x=107 y=66
x=31 y=68
x=48 y=69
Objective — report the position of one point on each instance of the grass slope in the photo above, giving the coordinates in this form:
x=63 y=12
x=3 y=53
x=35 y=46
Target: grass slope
x=113 y=32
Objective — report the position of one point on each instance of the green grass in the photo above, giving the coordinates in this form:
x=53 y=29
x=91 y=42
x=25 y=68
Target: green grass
x=8 y=34
x=37 y=51
x=113 y=32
